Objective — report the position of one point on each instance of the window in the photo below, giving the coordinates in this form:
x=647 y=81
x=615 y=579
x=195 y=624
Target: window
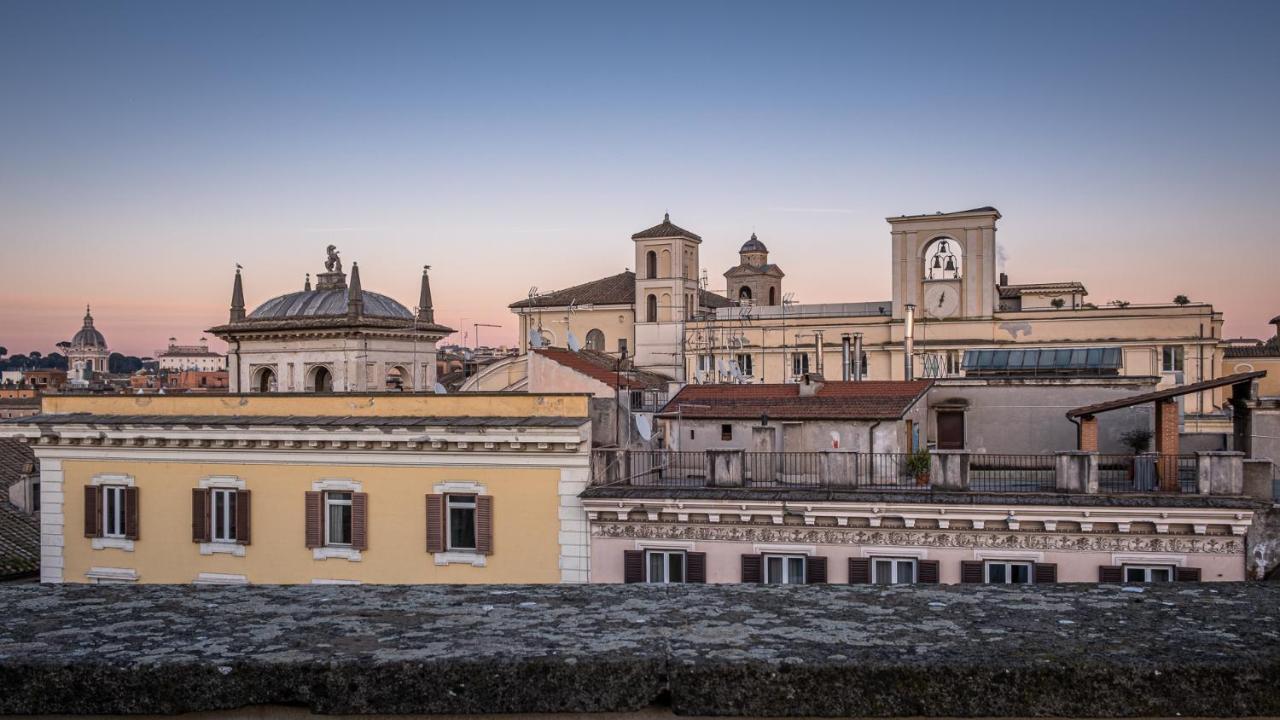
x=744 y=295
x=784 y=569
x=223 y=515
x=651 y=309
x=726 y=431
x=651 y=264
x=35 y=496
x=1148 y=573
x=664 y=566
x=113 y=511
x=337 y=518
x=1001 y=572
x=622 y=348
x=461 y=519
x=744 y=364
x=691 y=431
x=1171 y=358
x=893 y=571
x=799 y=364
x=595 y=340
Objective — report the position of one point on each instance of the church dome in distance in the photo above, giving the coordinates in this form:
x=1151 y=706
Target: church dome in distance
x=753 y=246
x=88 y=337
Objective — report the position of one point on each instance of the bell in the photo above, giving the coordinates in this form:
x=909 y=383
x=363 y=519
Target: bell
x=942 y=246
x=951 y=264
x=937 y=262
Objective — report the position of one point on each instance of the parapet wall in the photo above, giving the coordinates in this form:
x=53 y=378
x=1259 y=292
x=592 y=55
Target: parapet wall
x=1050 y=650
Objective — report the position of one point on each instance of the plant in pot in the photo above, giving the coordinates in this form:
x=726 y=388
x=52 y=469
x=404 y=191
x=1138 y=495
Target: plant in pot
x=918 y=464
x=1137 y=440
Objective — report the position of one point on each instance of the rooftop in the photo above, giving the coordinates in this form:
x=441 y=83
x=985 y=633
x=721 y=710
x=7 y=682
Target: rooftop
x=665 y=229
x=835 y=400
x=617 y=289
x=1166 y=394
x=1179 y=649
x=603 y=368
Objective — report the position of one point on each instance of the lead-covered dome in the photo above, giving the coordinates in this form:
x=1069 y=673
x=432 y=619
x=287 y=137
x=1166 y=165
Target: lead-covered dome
x=88 y=337
x=321 y=303
x=753 y=246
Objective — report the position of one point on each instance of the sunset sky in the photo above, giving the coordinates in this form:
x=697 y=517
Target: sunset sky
x=148 y=147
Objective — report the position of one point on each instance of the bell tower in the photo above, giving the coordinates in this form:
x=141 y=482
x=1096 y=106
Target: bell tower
x=945 y=264
x=667 y=294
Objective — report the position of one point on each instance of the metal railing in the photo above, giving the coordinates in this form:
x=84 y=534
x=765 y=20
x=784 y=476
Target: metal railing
x=782 y=469
x=990 y=472
x=1147 y=473
x=667 y=468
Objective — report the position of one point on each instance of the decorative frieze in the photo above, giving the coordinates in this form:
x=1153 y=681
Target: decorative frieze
x=800 y=534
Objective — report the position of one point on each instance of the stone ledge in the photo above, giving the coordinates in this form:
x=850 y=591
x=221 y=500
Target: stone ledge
x=1055 y=650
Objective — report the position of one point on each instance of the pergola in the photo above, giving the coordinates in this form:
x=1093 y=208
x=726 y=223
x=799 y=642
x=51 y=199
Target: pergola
x=1166 y=413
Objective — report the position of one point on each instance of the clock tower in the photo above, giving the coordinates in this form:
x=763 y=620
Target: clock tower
x=945 y=264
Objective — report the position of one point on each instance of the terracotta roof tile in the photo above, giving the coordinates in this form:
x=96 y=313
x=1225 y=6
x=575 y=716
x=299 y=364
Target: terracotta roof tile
x=867 y=400
x=617 y=289
x=600 y=366
x=665 y=229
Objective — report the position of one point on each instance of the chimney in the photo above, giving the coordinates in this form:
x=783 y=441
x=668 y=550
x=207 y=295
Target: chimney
x=237 y=298
x=355 y=296
x=846 y=368
x=1004 y=279
x=859 y=372
x=908 y=342
x=818 y=349
x=810 y=384
x=426 y=313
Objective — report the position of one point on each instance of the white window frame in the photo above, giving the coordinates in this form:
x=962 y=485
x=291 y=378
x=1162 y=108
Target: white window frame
x=1008 y=565
x=747 y=368
x=1146 y=572
x=786 y=568
x=893 y=569
x=463 y=502
x=330 y=501
x=666 y=566
x=228 y=513
x=799 y=364
x=1176 y=360
x=119 y=491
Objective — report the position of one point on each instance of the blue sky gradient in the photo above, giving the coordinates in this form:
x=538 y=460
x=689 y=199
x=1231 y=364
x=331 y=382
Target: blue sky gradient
x=147 y=147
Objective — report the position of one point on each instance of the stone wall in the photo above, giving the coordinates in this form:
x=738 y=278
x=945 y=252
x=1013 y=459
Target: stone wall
x=1046 y=650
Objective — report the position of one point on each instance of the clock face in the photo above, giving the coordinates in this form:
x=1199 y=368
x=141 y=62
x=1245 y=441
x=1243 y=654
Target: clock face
x=941 y=301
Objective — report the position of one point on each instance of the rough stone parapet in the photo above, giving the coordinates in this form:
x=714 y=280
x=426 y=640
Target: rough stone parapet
x=1048 y=650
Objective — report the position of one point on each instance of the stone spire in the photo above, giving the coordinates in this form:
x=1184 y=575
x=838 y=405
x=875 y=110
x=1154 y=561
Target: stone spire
x=88 y=316
x=306 y=286
x=237 y=298
x=426 y=313
x=355 y=296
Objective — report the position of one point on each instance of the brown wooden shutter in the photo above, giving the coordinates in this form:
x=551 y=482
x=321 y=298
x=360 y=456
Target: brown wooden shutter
x=92 y=511
x=1186 y=574
x=484 y=524
x=131 y=513
x=1110 y=574
x=242 y=517
x=752 y=569
x=435 y=523
x=360 y=521
x=815 y=569
x=970 y=571
x=315 y=519
x=1046 y=572
x=928 y=572
x=200 y=530
x=633 y=566
x=859 y=571
x=695 y=567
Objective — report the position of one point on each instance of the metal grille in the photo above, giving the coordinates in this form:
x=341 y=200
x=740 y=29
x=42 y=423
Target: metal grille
x=1012 y=473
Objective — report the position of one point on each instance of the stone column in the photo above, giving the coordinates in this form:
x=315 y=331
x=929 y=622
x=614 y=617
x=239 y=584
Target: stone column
x=1077 y=471
x=837 y=468
x=1167 y=444
x=949 y=469
x=1220 y=473
x=1088 y=439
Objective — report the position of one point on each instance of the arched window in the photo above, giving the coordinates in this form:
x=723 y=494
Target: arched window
x=942 y=259
x=666 y=263
x=773 y=296
x=321 y=380
x=651 y=308
x=396 y=378
x=651 y=265
x=266 y=380
x=595 y=340
x=744 y=293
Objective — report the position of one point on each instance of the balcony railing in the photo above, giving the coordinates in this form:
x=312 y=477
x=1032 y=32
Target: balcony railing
x=1065 y=472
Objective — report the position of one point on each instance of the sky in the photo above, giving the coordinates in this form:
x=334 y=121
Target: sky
x=146 y=148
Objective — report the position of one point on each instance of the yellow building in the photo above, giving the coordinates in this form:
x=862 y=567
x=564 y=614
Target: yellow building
x=334 y=488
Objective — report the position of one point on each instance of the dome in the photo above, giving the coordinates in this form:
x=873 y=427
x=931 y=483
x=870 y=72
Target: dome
x=88 y=337
x=753 y=246
x=322 y=303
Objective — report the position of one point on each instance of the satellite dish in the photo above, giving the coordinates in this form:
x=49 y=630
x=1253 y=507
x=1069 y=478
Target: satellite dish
x=535 y=338
x=439 y=389
x=574 y=345
x=644 y=427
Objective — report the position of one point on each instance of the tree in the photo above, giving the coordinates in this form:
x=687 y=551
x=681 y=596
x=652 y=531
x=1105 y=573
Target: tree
x=1058 y=302
x=1120 y=303
x=3 y=351
x=1181 y=300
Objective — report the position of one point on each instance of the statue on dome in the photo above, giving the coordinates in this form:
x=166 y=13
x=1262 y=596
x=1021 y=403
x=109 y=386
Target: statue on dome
x=333 y=263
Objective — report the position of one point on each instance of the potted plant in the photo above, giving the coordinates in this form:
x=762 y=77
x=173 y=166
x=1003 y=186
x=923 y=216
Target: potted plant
x=918 y=464
x=1137 y=440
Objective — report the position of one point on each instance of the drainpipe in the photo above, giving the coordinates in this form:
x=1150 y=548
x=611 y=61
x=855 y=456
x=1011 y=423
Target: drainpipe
x=858 y=370
x=846 y=370
x=818 y=348
x=908 y=342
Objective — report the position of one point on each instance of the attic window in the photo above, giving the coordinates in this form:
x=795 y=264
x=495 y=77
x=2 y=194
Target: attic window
x=726 y=431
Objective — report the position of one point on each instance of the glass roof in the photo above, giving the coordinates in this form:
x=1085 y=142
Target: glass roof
x=1043 y=360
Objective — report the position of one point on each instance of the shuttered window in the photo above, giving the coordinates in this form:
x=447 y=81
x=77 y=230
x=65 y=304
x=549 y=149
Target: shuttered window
x=893 y=571
x=460 y=522
x=1148 y=573
x=113 y=511
x=337 y=518
x=664 y=566
x=223 y=515
x=220 y=515
x=1004 y=572
x=784 y=569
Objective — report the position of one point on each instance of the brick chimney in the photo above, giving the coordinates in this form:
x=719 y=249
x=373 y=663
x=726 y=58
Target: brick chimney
x=810 y=384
